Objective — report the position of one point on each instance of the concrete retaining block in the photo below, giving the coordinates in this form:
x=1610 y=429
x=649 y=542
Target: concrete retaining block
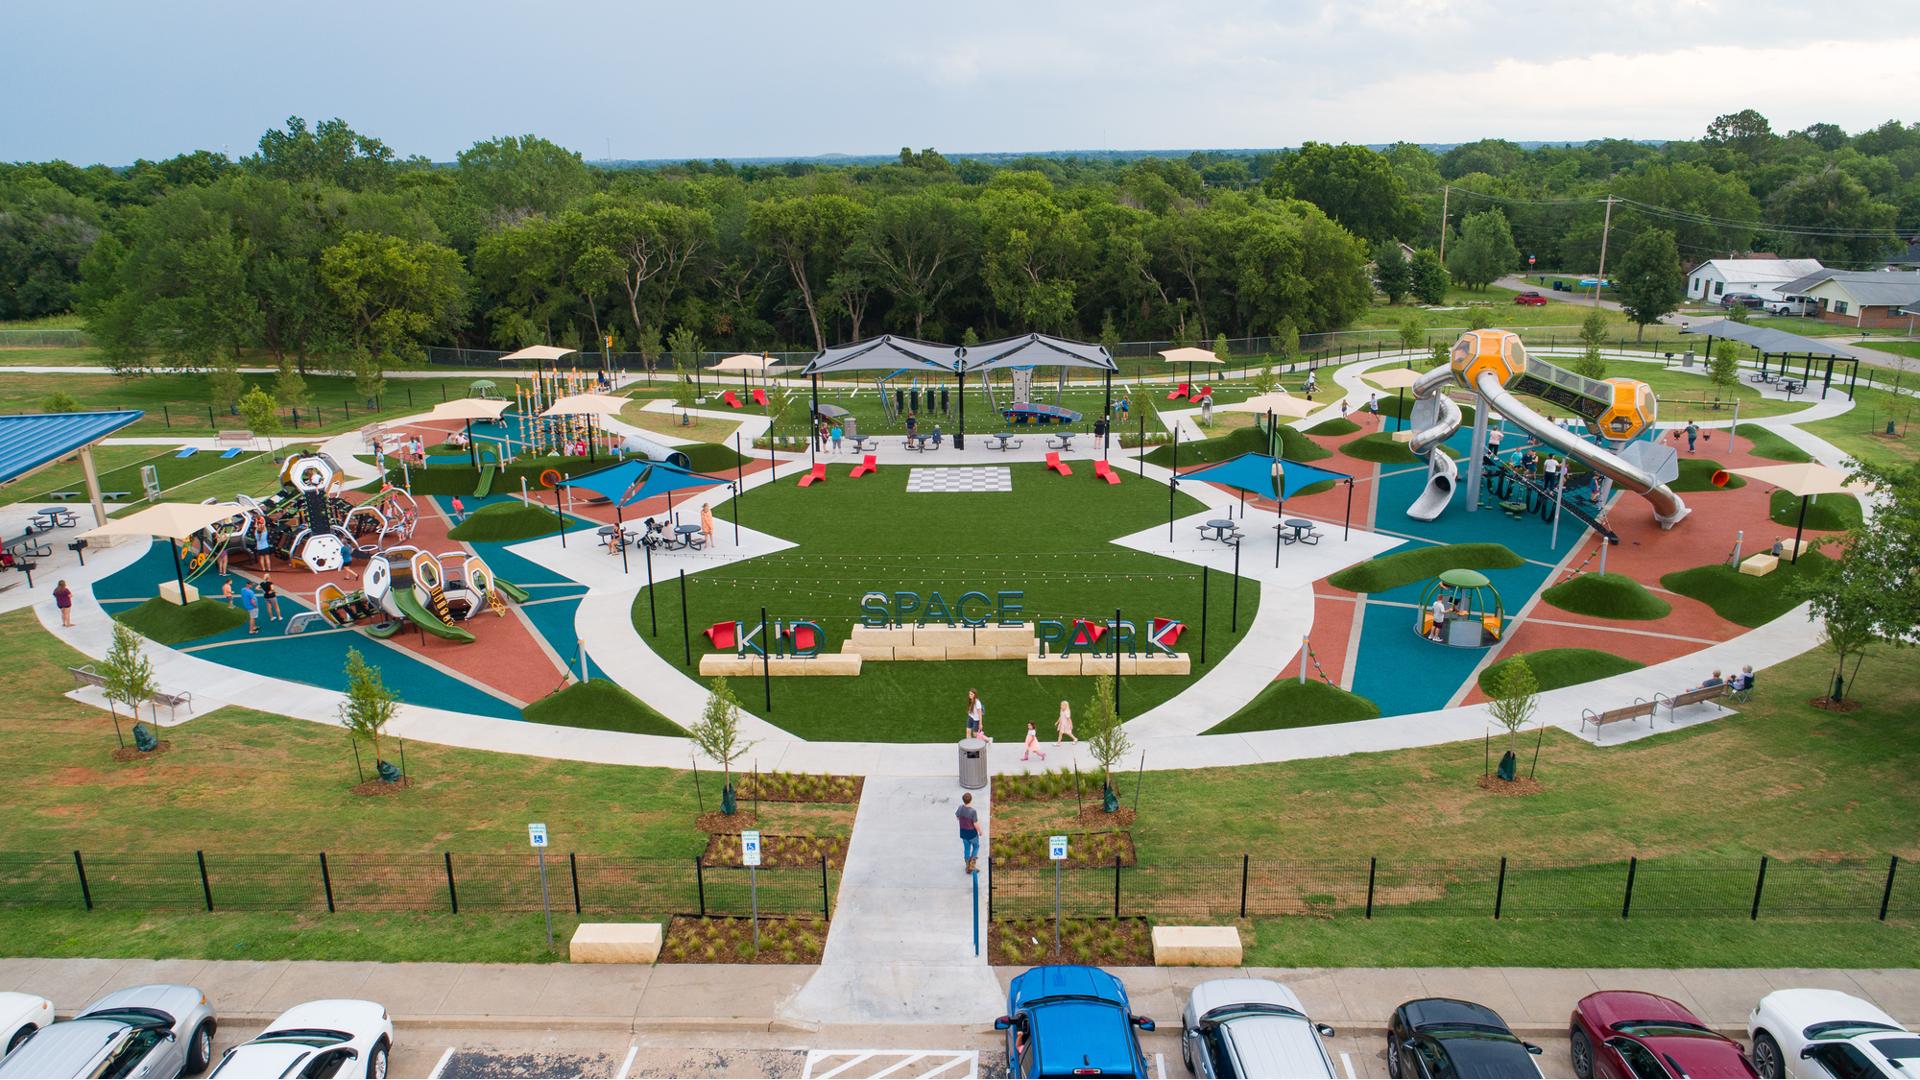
x=1052 y=665
x=1196 y=946
x=1178 y=664
x=973 y=652
x=1021 y=635
x=868 y=650
x=919 y=652
x=943 y=636
x=615 y=943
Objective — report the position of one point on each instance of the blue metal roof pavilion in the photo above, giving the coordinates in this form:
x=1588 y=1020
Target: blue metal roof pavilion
x=32 y=442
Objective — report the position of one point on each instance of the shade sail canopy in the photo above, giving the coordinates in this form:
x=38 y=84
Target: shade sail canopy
x=1036 y=350
x=172 y=521
x=1393 y=378
x=1279 y=404
x=1810 y=478
x=746 y=362
x=1254 y=473
x=539 y=352
x=886 y=353
x=29 y=443
x=1187 y=354
x=470 y=409
x=586 y=405
x=1766 y=338
x=635 y=480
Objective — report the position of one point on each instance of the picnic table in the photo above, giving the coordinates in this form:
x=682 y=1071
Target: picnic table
x=690 y=537
x=1303 y=530
x=51 y=517
x=1003 y=441
x=1064 y=441
x=1216 y=529
x=862 y=443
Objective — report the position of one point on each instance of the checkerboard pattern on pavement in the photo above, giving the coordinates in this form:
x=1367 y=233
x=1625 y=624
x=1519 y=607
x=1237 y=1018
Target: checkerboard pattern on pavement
x=983 y=478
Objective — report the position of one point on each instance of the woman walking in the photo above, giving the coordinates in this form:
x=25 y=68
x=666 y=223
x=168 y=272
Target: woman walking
x=63 y=599
x=977 y=716
x=1033 y=743
x=270 y=596
x=1063 y=726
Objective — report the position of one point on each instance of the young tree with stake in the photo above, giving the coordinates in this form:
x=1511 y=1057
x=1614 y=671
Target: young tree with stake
x=127 y=676
x=368 y=708
x=1106 y=739
x=718 y=736
x=1512 y=698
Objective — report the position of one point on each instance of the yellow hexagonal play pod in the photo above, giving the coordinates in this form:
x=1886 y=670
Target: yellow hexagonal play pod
x=1633 y=410
x=1498 y=351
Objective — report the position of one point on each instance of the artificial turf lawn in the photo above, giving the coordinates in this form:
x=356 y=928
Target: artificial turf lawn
x=1381 y=447
x=1336 y=427
x=1288 y=703
x=1049 y=537
x=170 y=624
x=1742 y=598
x=602 y=706
x=1696 y=474
x=1421 y=563
x=505 y=521
x=1834 y=512
x=1770 y=446
x=1608 y=596
x=1555 y=668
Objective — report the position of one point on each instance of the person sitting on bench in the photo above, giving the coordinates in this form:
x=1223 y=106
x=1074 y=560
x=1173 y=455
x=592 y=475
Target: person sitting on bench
x=1712 y=680
x=936 y=436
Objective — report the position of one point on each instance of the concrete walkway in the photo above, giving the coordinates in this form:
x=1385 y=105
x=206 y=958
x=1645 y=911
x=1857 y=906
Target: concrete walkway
x=901 y=947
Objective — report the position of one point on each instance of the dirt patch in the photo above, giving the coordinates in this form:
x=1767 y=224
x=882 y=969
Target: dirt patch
x=1094 y=819
x=1844 y=705
x=715 y=940
x=799 y=787
x=128 y=753
x=1028 y=851
x=1028 y=941
x=723 y=849
x=1518 y=786
x=713 y=821
x=377 y=787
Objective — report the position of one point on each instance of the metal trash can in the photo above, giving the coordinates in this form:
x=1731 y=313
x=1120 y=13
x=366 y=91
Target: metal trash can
x=973 y=763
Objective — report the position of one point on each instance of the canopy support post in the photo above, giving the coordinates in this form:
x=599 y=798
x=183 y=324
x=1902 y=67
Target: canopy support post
x=960 y=432
x=813 y=420
x=181 y=580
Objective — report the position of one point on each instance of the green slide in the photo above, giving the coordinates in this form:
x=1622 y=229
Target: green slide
x=511 y=591
x=411 y=607
x=485 y=487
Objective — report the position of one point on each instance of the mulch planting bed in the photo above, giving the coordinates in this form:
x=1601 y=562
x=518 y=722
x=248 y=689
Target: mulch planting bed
x=1845 y=705
x=1519 y=786
x=723 y=849
x=128 y=753
x=713 y=821
x=799 y=787
x=1028 y=851
x=377 y=787
x=1028 y=941
x=717 y=940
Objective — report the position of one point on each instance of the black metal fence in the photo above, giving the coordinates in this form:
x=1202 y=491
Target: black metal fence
x=1250 y=887
x=445 y=881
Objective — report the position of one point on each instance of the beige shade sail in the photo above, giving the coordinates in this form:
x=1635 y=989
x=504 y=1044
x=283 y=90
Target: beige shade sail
x=1277 y=403
x=539 y=352
x=587 y=405
x=1810 y=478
x=750 y=362
x=174 y=521
x=1187 y=354
x=1393 y=378
x=470 y=409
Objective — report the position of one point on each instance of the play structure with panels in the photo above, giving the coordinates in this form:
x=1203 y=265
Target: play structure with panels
x=432 y=592
x=1472 y=615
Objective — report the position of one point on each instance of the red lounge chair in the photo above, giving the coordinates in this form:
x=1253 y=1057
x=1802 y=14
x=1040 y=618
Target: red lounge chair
x=732 y=402
x=1054 y=463
x=1172 y=636
x=818 y=472
x=1104 y=471
x=1205 y=392
x=1087 y=632
x=867 y=465
x=760 y=396
x=803 y=637
x=720 y=634
x=1178 y=392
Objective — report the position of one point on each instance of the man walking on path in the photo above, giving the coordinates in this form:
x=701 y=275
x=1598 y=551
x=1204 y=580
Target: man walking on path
x=1693 y=435
x=969 y=832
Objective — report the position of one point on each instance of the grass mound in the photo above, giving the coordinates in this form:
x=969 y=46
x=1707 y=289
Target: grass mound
x=1832 y=512
x=505 y=521
x=1696 y=474
x=710 y=457
x=1294 y=446
x=1339 y=425
x=1608 y=596
x=1407 y=567
x=1742 y=598
x=170 y=624
x=1555 y=668
x=1770 y=446
x=1291 y=704
x=1381 y=447
x=601 y=706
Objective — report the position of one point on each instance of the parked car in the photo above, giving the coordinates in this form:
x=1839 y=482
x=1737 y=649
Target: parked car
x=1531 y=299
x=1743 y=299
x=1793 y=305
x=334 y=1037
x=1251 y=1027
x=20 y=1016
x=1071 y=1021
x=142 y=1031
x=1447 y=1037
x=1828 y=1033
x=1628 y=1033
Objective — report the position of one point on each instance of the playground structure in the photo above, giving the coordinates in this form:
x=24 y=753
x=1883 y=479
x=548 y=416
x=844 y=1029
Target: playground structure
x=1494 y=364
x=1021 y=408
x=530 y=433
x=433 y=592
x=1474 y=615
x=307 y=522
x=898 y=401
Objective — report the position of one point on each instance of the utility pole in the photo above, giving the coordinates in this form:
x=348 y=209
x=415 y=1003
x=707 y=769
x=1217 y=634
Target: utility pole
x=1605 y=228
x=1446 y=193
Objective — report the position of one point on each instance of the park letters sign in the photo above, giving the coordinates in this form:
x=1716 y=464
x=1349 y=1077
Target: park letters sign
x=973 y=609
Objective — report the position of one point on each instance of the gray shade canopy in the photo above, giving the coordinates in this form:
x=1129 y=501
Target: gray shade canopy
x=1036 y=350
x=886 y=353
x=1765 y=338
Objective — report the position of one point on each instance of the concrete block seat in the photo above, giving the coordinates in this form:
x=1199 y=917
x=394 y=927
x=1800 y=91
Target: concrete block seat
x=615 y=943
x=1760 y=565
x=1052 y=665
x=1196 y=946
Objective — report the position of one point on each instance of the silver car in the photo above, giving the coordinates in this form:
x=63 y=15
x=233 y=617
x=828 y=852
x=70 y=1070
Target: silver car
x=1251 y=1027
x=143 y=1031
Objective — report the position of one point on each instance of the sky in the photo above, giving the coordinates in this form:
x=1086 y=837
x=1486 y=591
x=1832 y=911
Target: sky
x=112 y=80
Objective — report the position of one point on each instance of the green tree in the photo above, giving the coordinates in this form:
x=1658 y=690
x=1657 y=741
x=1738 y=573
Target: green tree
x=398 y=295
x=1412 y=333
x=1109 y=335
x=1392 y=273
x=1430 y=278
x=811 y=235
x=224 y=385
x=1034 y=252
x=1220 y=350
x=1835 y=218
x=921 y=246
x=1484 y=250
x=684 y=346
x=59 y=402
x=1869 y=595
x=1480 y=317
x=1106 y=737
x=1354 y=185
x=368 y=707
x=330 y=152
x=1724 y=366
x=289 y=388
x=717 y=734
x=1593 y=333
x=647 y=344
x=127 y=676
x=1649 y=280
x=512 y=177
x=369 y=379
x=1513 y=697
x=262 y=414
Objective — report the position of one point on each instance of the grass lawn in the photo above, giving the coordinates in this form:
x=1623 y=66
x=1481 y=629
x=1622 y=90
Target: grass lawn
x=1381 y=447
x=505 y=522
x=1421 y=563
x=1336 y=427
x=1290 y=704
x=1772 y=447
x=119 y=468
x=1743 y=598
x=169 y=623
x=1898 y=348
x=1555 y=668
x=49 y=355
x=1696 y=474
x=255 y=475
x=1608 y=596
x=1048 y=537
x=602 y=706
x=1294 y=446
x=701 y=429
x=1834 y=512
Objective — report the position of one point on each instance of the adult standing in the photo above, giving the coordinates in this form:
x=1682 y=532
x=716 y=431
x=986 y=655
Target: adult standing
x=913 y=424
x=969 y=819
x=1439 y=612
x=1494 y=439
x=63 y=599
x=270 y=597
x=977 y=716
x=1693 y=435
x=250 y=600
x=706 y=523
x=262 y=543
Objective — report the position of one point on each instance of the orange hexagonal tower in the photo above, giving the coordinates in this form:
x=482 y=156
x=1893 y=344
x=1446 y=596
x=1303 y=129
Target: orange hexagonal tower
x=1480 y=351
x=1633 y=410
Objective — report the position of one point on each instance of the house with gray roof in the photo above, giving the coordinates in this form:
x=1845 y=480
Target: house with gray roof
x=1869 y=299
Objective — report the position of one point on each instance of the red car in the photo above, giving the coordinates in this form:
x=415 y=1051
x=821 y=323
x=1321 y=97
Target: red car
x=1632 y=1034
x=1531 y=299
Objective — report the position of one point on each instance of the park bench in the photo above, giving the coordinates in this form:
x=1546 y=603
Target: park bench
x=84 y=676
x=1639 y=708
x=1697 y=696
x=235 y=437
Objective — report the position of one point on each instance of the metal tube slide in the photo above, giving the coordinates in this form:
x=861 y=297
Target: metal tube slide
x=1442 y=474
x=1668 y=508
